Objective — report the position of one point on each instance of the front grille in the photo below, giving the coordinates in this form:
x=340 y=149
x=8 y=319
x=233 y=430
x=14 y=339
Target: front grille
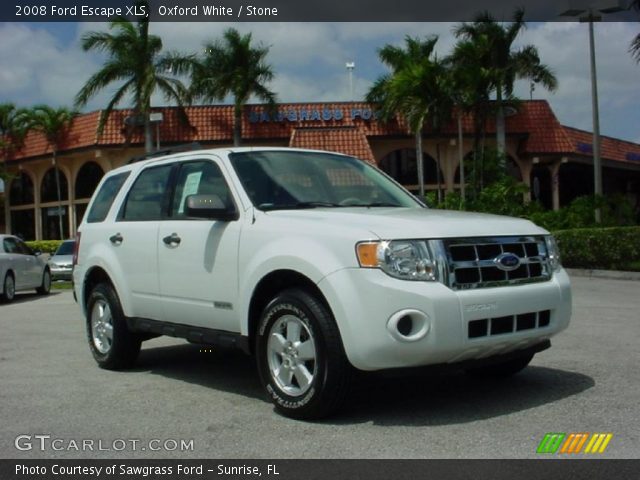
x=475 y=262
x=508 y=324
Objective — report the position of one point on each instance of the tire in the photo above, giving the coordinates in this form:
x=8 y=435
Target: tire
x=9 y=288
x=504 y=369
x=300 y=356
x=45 y=287
x=112 y=344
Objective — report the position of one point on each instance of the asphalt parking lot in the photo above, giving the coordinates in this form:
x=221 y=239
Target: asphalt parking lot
x=49 y=385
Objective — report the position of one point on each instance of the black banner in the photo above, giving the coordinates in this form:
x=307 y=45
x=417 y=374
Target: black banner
x=308 y=11
x=579 y=469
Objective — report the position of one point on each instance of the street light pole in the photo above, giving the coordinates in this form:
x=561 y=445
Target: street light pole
x=593 y=11
x=597 y=164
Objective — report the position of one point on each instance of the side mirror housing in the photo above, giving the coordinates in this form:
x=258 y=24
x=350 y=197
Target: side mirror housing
x=210 y=207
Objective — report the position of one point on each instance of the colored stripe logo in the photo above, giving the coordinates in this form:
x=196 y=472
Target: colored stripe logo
x=573 y=443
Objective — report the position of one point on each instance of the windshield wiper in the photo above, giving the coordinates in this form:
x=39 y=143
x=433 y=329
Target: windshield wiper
x=375 y=204
x=296 y=206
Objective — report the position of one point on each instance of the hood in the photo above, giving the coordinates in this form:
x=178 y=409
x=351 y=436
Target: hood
x=405 y=223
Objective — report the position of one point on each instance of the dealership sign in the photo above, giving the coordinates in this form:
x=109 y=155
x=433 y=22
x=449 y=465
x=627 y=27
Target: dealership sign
x=319 y=114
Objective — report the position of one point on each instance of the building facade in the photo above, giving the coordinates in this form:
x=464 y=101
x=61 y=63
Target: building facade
x=555 y=161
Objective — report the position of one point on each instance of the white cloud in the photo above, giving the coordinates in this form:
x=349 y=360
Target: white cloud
x=309 y=61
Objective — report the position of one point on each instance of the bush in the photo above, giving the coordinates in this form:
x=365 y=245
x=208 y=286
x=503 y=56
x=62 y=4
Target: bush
x=616 y=248
x=45 y=246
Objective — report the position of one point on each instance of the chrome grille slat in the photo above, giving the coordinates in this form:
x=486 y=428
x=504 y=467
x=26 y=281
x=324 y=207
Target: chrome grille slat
x=471 y=261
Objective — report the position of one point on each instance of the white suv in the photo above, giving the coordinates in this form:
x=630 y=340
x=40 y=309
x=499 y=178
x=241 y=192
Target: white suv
x=316 y=263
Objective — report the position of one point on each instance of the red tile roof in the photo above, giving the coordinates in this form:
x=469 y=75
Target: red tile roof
x=347 y=140
x=610 y=148
x=348 y=124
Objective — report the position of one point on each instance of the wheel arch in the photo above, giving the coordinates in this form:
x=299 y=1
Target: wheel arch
x=267 y=288
x=95 y=276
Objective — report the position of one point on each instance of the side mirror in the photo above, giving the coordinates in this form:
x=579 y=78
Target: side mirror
x=210 y=207
x=37 y=253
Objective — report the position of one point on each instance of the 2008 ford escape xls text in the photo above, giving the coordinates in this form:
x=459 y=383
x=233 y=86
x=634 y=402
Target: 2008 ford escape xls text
x=316 y=263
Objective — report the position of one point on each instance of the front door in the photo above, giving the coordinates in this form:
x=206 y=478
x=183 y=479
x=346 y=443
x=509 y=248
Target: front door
x=198 y=259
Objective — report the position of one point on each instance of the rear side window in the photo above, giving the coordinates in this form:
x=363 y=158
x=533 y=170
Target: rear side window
x=105 y=197
x=146 y=197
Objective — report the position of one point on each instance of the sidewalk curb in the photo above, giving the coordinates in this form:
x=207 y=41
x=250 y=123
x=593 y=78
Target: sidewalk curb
x=609 y=274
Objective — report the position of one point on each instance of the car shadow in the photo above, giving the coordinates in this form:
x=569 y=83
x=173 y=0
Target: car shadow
x=415 y=399
x=24 y=297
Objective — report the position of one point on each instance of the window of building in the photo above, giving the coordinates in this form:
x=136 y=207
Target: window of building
x=49 y=189
x=88 y=179
x=402 y=166
x=51 y=223
x=21 y=190
x=23 y=224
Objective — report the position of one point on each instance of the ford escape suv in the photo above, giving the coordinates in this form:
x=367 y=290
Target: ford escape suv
x=316 y=263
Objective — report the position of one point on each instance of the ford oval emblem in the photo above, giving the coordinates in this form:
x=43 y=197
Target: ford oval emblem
x=507 y=261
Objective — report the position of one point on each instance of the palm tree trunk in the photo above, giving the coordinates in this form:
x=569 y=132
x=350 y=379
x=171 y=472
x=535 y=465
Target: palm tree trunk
x=501 y=141
x=419 y=161
x=57 y=172
x=461 y=158
x=237 y=125
x=148 y=135
x=438 y=179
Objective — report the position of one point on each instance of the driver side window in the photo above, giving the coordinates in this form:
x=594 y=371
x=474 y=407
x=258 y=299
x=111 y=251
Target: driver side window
x=199 y=178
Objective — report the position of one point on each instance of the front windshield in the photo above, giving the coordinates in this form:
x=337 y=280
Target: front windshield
x=66 y=248
x=292 y=179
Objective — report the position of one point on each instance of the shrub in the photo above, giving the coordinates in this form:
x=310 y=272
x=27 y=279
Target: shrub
x=45 y=246
x=616 y=248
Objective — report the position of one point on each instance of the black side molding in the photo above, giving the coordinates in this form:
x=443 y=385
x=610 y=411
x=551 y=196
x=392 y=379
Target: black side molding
x=205 y=336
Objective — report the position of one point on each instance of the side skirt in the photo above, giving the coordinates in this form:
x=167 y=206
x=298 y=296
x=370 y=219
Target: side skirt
x=200 y=335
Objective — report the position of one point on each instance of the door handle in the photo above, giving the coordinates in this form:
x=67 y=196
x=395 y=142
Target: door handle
x=116 y=239
x=172 y=240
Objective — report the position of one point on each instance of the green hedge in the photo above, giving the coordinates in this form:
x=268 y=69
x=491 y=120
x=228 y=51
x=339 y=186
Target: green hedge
x=616 y=248
x=45 y=246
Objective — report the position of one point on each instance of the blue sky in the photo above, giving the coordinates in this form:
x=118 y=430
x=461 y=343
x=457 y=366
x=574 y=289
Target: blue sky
x=42 y=62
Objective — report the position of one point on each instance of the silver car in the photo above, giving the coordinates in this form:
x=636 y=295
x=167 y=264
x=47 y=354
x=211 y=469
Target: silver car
x=61 y=263
x=21 y=269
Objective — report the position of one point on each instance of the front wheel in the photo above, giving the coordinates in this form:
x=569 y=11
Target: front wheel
x=112 y=344
x=504 y=369
x=45 y=286
x=300 y=356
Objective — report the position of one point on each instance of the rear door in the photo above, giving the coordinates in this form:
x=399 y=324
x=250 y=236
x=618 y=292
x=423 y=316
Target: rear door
x=133 y=240
x=197 y=258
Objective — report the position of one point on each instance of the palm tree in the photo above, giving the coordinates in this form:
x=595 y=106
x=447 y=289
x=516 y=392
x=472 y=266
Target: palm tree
x=12 y=127
x=54 y=124
x=634 y=48
x=414 y=89
x=12 y=131
x=135 y=59
x=501 y=65
x=232 y=66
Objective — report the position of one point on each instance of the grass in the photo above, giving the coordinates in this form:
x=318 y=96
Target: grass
x=61 y=285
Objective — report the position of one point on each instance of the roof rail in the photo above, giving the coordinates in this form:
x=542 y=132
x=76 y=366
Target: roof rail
x=187 y=147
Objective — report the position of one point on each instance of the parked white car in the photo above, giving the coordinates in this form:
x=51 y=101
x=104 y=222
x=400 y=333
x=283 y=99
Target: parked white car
x=316 y=263
x=21 y=269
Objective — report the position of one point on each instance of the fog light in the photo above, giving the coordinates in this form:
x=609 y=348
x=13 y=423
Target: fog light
x=408 y=325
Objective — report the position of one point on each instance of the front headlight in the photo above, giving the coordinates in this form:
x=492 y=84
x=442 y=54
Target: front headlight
x=403 y=259
x=553 y=253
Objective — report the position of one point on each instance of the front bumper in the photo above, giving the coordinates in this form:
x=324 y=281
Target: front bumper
x=61 y=273
x=367 y=304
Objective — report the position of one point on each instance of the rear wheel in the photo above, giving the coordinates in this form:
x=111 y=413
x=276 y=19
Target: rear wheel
x=504 y=369
x=8 y=288
x=112 y=344
x=300 y=357
x=45 y=287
